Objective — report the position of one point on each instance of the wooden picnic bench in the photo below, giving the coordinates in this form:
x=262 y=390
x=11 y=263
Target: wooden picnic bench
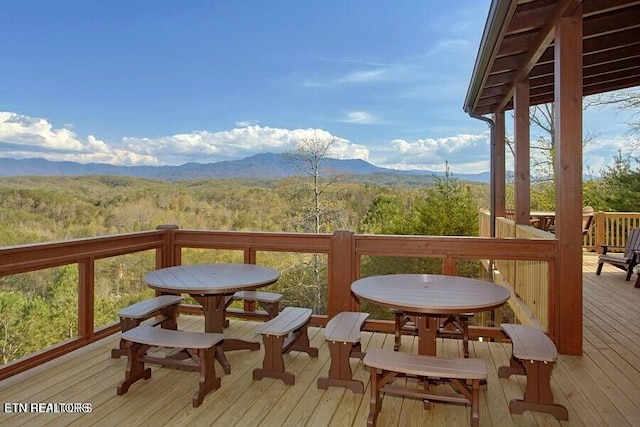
x=285 y=332
x=533 y=355
x=464 y=376
x=343 y=334
x=163 y=309
x=200 y=346
x=253 y=300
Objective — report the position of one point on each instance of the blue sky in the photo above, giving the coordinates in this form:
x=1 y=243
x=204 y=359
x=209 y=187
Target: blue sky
x=166 y=82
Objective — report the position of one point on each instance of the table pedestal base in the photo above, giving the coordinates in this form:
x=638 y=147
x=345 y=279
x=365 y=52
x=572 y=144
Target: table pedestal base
x=427 y=330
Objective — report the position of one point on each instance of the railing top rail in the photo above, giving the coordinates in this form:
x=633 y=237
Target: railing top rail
x=264 y=241
x=457 y=247
x=23 y=258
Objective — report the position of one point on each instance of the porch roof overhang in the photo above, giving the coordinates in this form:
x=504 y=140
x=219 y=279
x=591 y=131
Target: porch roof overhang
x=518 y=41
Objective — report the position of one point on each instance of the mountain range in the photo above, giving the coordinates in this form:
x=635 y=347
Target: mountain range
x=259 y=166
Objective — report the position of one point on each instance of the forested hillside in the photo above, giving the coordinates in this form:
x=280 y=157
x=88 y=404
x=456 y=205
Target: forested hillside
x=35 y=209
x=39 y=309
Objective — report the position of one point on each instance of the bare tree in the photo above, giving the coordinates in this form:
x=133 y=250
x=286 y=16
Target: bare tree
x=308 y=158
x=544 y=147
x=623 y=100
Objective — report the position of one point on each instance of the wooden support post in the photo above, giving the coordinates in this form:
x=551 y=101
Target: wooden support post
x=567 y=297
x=523 y=156
x=498 y=165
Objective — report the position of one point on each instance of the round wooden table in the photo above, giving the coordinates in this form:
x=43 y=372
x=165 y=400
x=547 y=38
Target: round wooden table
x=428 y=296
x=209 y=284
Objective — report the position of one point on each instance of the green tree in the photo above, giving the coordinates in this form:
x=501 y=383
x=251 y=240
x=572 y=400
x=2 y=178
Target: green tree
x=622 y=185
x=13 y=307
x=449 y=209
x=388 y=214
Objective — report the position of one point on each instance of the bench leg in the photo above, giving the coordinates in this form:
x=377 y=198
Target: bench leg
x=340 y=374
x=475 y=403
x=470 y=389
x=208 y=379
x=170 y=317
x=375 y=402
x=538 y=396
x=169 y=320
x=465 y=339
x=273 y=362
x=125 y=325
x=135 y=367
x=250 y=307
x=301 y=342
x=397 y=331
x=515 y=367
x=518 y=406
x=273 y=308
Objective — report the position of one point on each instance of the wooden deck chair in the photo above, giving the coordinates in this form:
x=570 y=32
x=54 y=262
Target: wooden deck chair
x=626 y=261
x=587 y=220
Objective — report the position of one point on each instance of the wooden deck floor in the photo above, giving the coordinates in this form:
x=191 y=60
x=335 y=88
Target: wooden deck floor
x=601 y=388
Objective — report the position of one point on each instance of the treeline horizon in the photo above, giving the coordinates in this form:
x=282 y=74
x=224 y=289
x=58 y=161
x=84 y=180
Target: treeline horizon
x=38 y=209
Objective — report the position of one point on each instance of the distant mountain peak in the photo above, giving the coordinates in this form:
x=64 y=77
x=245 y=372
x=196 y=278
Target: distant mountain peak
x=259 y=166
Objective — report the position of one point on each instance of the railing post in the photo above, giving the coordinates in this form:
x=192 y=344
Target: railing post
x=166 y=257
x=86 y=285
x=250 y=256
x=449 y=266
x=600 y=228
x=341 y=273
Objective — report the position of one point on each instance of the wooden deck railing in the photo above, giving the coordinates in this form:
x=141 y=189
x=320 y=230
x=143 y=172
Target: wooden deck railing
x=611 y=228
x=344 y=251
x=607 y=228
x=530 y=279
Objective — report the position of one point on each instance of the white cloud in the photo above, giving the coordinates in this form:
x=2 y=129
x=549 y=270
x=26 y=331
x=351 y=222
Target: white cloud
x=358 y=77
x=445 y=46
x=599 y=154
x=23 y=136
x=363 y=76
x=361 y=117
x=464 y=153
x=31 y=133
x=245 y=123
x=205 y=146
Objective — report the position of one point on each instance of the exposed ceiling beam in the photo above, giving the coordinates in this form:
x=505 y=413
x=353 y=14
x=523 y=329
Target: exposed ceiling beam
x=542 y=41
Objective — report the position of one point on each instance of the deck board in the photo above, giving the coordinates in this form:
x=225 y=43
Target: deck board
x=598 y=388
